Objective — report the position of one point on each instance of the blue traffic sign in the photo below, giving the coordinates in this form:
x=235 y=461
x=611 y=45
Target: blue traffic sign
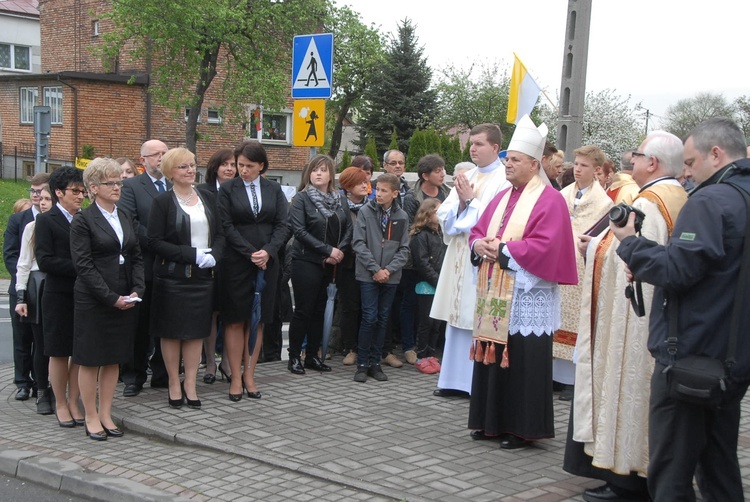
x=312 y=66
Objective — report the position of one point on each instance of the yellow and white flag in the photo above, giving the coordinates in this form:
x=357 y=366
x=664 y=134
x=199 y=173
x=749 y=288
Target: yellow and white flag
x=524 y=92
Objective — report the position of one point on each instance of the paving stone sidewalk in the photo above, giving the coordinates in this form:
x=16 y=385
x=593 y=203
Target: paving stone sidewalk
x=317 y=436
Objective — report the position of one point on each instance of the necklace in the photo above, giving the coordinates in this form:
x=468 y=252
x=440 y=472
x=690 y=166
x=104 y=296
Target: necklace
x=186 y=200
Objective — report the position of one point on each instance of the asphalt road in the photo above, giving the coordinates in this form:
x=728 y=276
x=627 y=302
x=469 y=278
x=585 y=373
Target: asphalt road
x=17 y=490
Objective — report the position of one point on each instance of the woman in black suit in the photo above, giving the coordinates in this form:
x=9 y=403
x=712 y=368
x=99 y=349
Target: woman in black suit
x=186 y=236
x=254 y=215
x=322 y=231
x=52 y=241
x=110 y=282
x=220 y=168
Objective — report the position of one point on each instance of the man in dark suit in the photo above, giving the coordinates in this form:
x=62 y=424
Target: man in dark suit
x=22 y=336
x=137 y=195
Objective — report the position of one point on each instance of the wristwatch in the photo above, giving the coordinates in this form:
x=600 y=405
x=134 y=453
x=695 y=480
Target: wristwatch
x=468 y=201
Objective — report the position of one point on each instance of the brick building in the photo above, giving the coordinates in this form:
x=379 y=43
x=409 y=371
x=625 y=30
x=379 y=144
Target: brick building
x=98 y=105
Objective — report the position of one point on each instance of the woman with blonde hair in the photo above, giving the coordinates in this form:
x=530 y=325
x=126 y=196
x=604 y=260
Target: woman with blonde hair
x=322 y=231
x=110 y=282
x=185 y=233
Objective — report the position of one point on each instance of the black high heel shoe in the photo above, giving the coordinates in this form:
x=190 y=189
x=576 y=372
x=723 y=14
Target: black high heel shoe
x=209 y=378
x=235 y=397
x=114 y=433
x=251 y=395
x=224 y=375
x=194 y=404
x=68 y=424
x=96 y=436
x=176 y=403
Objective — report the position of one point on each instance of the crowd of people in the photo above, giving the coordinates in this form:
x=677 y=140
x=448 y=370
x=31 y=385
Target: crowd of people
x=525 y=275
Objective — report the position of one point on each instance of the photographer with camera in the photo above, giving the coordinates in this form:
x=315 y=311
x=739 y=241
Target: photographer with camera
x=602 y=432
x=696 y=277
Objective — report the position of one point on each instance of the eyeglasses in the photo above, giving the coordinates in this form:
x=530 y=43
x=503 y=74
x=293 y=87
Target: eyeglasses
x=187 y=166
x=78 y=191
x=35 y=192
x=396 y=163
x=111 y=184
x=640 y=154
x=160 y=154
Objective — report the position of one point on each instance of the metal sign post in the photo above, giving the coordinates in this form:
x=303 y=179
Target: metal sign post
x=42 y=129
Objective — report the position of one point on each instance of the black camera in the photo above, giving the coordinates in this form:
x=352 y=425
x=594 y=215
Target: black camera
x=619 y=215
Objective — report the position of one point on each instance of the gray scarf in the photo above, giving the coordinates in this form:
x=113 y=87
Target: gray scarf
x=326 y=203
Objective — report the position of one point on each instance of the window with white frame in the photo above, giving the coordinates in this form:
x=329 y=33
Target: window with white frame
x=270 y=127
x=214 y=117
x=15 y=57
x=28 y=101
x=53 y=97
x=95 y=28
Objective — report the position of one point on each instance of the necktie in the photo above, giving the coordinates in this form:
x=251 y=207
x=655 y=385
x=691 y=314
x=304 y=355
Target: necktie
x=384 y=221
x=579 y=194
x=255 y=199
x=160 y=186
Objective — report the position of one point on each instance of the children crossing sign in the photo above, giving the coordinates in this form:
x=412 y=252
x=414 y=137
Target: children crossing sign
x=312 y=66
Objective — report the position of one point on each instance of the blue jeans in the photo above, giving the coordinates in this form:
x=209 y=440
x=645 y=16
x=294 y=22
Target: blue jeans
x=376 y=307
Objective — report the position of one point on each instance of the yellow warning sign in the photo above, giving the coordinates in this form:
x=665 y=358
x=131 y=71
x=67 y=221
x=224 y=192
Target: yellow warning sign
x=309 y=122
x=82 y=163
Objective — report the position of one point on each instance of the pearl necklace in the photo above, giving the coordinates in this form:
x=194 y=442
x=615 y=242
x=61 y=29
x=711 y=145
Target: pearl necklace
x=187 y=200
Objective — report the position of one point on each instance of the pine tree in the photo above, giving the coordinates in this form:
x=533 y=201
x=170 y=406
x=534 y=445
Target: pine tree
x=372 y=152
x=417 y=150
x=394 y=141
x=346 y=160
x=401 y=100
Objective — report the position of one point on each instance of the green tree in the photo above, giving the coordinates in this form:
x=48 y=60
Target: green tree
x=417 y=149
x=681 y=117
x=371 y=150
x=394 y=142
x=358 y=54
x=187 y=42
x=401 y=99
x=346 y=160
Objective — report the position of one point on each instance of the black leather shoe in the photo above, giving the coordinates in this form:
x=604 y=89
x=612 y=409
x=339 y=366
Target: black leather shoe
x=176 y=403
x=481 y=436
x=79 y=421
x=295 y=366
x=209 y=378
x=611 y=494
x=449 y=393
x=23 y=394
x=44 y=402
x=314 y=363
x=131 y=390
x=254 y=395
x=235 y=397
x=567 y=393
x=96 y=436
x=68 y=424
x=511 y=442
x=114 y=433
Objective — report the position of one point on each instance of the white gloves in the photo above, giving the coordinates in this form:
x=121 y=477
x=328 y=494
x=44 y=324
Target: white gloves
x=204 y=259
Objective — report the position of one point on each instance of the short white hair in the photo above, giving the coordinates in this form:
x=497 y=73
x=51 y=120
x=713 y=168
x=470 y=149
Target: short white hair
x=667 y=148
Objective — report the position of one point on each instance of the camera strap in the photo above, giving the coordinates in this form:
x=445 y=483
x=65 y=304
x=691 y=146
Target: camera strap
x=635 y=295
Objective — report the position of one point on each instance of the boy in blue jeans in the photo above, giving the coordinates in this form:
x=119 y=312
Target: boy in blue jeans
x=381 y=244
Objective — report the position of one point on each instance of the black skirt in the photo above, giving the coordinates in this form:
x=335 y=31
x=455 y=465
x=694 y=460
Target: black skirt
x=237 y=289
x=181 y=308
x=104 y=335
x=516 y=399
x=57 y=319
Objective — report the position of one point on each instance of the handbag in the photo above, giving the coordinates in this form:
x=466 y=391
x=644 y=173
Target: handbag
x=34 y=290
x=699 y=379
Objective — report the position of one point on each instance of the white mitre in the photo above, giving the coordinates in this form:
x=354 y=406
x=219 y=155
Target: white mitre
x=528 y=138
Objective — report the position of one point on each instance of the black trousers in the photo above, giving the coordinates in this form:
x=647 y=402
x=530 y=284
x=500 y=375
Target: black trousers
x=40 y=361
x=687 y=439
x=350 y=302
x=428 y=331
x=23 y=340
x=309 y=281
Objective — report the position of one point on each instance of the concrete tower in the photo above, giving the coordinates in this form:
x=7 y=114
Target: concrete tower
x=573 y=85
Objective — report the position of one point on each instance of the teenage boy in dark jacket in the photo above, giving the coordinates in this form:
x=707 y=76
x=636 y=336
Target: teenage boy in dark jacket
x=381 y=244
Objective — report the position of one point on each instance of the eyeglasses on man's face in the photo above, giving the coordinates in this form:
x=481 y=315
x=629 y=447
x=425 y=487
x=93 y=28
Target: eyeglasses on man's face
x=395 y=163
x=160 y=154
x=33 y=191
x=640 y=154
x=111 y=184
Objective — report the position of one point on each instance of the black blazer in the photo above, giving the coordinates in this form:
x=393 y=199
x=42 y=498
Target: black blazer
x=12 y=243
x=138 y=194
x=246 y=234
x=169 y=232
x=96 y=250
x=52 y=250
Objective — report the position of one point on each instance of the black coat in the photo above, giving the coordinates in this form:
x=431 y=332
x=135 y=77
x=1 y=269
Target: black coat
x=137 y=196
x=52 y=251
x=169 y=232
x=427 y=253
x=315 y=236
x=96 y=250
x=12 y=243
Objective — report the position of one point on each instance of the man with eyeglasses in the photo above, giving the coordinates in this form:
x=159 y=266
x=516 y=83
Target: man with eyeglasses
x=394 y=163
x=22 y=335
x=137 y=195
x=587 y=203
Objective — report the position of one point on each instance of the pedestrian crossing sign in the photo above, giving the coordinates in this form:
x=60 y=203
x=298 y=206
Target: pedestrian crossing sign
x=312 y=66
x=308 y=122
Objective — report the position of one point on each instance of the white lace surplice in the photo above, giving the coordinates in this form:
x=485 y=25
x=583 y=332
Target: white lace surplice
x=535 y=308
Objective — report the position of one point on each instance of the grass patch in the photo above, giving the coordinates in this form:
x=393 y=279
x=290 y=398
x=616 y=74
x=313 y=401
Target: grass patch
x=10 y=192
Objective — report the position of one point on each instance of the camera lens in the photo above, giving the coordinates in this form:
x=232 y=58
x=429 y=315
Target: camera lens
x=619 y=216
